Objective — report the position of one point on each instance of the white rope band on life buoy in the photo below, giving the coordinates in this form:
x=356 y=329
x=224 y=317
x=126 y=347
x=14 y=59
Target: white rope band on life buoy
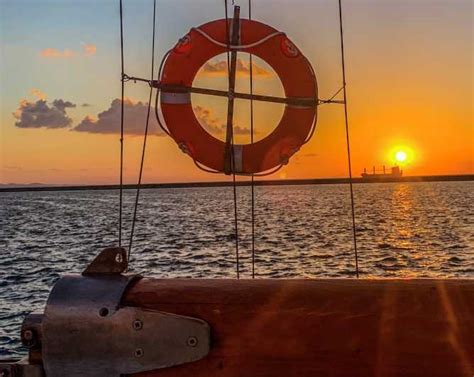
x=239 y=47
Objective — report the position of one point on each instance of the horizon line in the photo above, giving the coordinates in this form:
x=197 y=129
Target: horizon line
x=12 y=187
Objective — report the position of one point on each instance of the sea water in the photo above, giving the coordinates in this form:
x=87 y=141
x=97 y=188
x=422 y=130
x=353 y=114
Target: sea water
x=403 y=230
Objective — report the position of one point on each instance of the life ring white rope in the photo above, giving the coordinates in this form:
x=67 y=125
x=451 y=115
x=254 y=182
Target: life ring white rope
x=237 y=47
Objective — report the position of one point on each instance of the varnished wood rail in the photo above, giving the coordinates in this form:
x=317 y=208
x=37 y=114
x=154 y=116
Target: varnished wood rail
x=318 y=328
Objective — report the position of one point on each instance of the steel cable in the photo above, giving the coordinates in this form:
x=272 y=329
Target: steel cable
x=230 y=129
x=122 y=78
x=252 y=186
x=346 y=119
x=145 y=134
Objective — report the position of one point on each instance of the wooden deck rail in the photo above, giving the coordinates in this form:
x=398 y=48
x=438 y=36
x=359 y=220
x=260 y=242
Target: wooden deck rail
x=263 y=328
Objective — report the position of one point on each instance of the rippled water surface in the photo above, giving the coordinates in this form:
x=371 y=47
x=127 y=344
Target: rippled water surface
x=403 y=230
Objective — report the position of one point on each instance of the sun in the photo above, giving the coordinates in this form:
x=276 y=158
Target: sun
x=401 y=156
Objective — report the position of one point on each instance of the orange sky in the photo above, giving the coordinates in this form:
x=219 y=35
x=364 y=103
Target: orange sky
x=410 y=86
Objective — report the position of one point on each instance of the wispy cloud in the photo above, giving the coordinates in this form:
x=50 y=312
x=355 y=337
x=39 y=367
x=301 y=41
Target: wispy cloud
x=219 y=68
x=55 y=53
x=41 y=114
x=89 y=49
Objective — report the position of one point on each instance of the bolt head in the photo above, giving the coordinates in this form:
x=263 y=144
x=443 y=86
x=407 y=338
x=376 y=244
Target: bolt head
x=28 y=338
x=28 y=335
x=192 y=341
x=139 y=352
x=137 y=324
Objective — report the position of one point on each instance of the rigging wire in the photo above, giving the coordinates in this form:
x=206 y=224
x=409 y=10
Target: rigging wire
x=252 y=187
x=145 y=135
x=230 y=129
x=121 y=125
x=334 y=95
x=346 y=119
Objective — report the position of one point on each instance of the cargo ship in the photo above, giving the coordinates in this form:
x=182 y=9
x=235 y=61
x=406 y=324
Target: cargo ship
x=395 y=172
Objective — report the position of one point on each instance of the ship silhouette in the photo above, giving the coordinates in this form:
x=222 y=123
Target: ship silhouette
x=395 y=172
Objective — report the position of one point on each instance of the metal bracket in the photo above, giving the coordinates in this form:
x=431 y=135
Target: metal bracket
x=87 y=333
x=112 y=260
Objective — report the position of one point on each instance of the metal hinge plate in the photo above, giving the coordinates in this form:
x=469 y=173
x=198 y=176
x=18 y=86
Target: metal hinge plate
x=130 y=341
x=87 y=333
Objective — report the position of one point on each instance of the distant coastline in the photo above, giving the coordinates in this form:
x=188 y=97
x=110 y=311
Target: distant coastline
x=274 y=182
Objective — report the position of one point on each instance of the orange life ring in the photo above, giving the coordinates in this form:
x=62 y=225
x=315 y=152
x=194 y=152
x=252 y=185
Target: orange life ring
x=294 y=70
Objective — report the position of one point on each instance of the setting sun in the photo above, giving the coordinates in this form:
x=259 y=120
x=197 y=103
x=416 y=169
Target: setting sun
x=401 y=156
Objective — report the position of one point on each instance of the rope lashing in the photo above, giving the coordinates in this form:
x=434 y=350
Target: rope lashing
x=263 y=174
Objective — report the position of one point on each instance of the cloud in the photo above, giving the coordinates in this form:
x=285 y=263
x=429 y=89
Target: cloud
x=219 y=68
x=108 y=121
x=208 y=121
x=86 y=105
x=62 y=105
x=55 y=53
x=89 y=49
x=215 y=125
x=40 y=114
x=38 y=94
